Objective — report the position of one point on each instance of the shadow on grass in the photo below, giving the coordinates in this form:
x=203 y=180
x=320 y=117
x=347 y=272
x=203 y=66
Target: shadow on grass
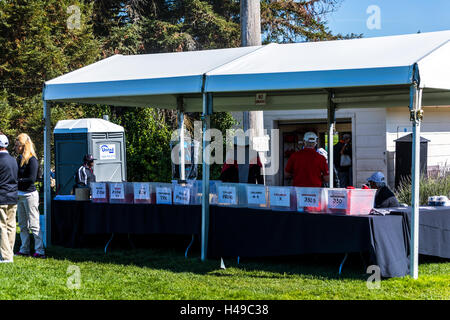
x=167 y=253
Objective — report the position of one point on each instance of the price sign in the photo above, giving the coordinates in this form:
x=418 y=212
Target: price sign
x=308 y=198
x=227 y=195
x=181 y=195
x=163 y=195
x=141 y=191
x=117 y=191
x=337 y=199
x=256 y=195
x=98 y=190
x=280 y=197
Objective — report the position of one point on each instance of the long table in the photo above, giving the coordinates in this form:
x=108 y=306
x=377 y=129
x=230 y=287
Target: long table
x=244 y=232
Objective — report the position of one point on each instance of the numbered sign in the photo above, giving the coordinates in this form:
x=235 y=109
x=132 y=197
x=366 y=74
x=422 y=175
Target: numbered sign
x=227 y=195
x=181 y=195
x=256 y=195
x=98 y=190
x=163 y=195
x=337 y=199
x=141 y=191
x=117 y=191
x=309 y=198
x=280 y=197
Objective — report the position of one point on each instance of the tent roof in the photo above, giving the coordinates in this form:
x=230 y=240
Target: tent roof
x=363 y=72
x=86 y=125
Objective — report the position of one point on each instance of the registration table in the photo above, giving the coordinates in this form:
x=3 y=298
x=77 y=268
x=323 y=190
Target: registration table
x=245 y=232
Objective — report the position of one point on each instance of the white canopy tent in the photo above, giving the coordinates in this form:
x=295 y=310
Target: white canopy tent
x=374 y=72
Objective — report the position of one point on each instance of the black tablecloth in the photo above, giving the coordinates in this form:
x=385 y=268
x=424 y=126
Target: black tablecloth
x=256 y=233
x=434 y=230
x=71 y=220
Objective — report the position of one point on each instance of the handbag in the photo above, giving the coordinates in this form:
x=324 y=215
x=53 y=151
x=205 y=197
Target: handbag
x=346 y=161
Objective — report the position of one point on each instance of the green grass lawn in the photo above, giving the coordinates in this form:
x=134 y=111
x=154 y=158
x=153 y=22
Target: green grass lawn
x=166 y=274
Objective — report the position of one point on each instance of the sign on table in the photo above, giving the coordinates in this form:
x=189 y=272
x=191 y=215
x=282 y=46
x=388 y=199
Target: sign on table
x=308 y=198
x=256 y=195
x=280 y=197
x=117 y=191
x=227 y=195
x=181 y=195
x=163 y=195
x=337 y=199
x=99 y=191
x=141 y=191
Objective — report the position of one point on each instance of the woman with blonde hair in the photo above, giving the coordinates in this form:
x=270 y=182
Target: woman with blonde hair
x=28 y=204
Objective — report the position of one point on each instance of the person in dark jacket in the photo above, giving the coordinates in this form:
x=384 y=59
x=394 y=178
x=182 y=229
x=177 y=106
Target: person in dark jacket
x=8 y=201
x=384 y=197
x=28 y=205
x=85 y=174
x=343 y=149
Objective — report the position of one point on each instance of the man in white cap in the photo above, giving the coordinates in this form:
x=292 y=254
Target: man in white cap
x=8 y=201
x=307 y=167
x=384 y=198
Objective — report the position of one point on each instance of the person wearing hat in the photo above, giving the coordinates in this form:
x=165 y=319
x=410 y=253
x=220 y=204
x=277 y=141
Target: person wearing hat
x=307 y=167
x=85 y=174
x=8 y=201
x=384 y=197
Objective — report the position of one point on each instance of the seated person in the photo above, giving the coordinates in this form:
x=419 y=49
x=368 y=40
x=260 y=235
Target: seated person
x=384 y=197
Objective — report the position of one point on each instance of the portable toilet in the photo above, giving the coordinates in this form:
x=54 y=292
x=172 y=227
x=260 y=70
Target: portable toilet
x=101 y=138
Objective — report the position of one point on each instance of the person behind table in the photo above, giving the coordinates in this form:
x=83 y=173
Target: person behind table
x=85 y=174
x=8 y=201
x=28 y=204
x=384 y=197
x=307 y=167
x=343 y=147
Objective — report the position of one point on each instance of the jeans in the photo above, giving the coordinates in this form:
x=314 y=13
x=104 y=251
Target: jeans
x=28 y=214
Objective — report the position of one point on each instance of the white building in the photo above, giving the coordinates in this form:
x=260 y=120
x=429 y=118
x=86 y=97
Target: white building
x=373 y=131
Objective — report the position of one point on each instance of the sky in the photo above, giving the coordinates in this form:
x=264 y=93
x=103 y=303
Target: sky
x=376 y=18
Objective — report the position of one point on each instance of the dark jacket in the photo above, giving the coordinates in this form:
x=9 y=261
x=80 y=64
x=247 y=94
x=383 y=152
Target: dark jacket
x=337 y=155
x=84 y=176
x=8 y=179
x=28 y=174
x=385 y=198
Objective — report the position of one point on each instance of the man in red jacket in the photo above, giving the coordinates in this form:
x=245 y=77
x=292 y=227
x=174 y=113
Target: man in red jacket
x=307 y=167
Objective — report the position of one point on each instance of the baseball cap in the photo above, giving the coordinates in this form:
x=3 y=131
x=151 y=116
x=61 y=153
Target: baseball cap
x=88 y=158
x=377 y=177
x=310 y=137
x=4 y=142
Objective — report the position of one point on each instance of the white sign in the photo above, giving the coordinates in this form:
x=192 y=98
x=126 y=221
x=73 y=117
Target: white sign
x=141 y=191
x=260 y=99
x=280 y=197
x=117 y=191
x=337 y=199
x=260 y=144
x=107 y=152
x=308 y=198
x=227 y=195
x=256 y=195
x=98 y=190
x=181 y=195
x=163 y=196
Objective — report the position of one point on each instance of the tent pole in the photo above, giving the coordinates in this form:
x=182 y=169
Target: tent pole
x=331 y=123
x=416 y=117
x=207 y=110
x=47 y=163
x=181 y=127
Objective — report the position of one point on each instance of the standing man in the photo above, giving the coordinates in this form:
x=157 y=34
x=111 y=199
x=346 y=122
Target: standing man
x=343 y=160
x=307 y=167
x=85 y=174
x=8 y=201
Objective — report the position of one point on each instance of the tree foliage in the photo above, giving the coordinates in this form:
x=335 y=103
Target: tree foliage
x=38 y=45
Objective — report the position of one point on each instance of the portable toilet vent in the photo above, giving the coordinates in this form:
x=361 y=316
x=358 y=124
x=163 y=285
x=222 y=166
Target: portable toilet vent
x=75 y=138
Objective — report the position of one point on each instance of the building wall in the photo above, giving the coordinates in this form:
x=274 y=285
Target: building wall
x=435 y=127
x=369 y=137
